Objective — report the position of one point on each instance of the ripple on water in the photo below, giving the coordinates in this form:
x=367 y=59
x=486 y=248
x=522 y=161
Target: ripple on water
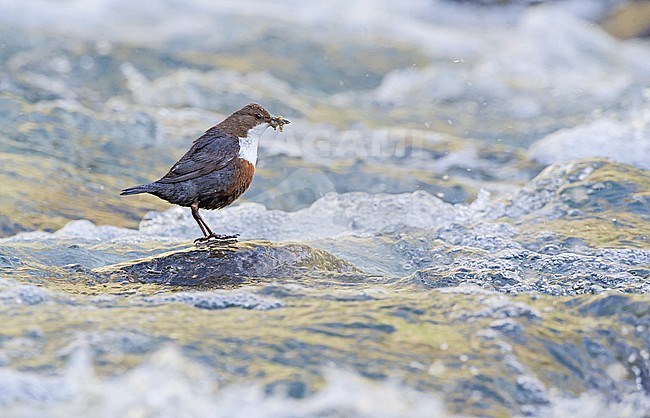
x=217 y=300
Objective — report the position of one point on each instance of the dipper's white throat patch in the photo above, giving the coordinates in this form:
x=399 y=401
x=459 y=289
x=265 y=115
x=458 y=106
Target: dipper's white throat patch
x=248 y=144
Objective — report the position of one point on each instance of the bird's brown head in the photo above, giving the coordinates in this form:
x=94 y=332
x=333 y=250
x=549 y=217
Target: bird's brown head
x=249 y=117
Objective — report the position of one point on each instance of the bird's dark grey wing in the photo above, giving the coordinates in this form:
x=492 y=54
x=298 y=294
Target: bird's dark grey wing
x=210 y=152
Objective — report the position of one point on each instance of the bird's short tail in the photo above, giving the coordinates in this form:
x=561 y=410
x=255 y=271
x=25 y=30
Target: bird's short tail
x=143 y=188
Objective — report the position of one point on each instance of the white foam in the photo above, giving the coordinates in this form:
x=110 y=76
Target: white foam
x=623 y=141
x=333 y=215
x=171 y=385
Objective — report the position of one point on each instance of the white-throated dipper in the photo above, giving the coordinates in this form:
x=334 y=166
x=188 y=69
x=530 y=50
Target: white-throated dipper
x=218 y=168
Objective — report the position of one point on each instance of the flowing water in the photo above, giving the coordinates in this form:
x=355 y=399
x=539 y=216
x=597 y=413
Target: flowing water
x=457 y=221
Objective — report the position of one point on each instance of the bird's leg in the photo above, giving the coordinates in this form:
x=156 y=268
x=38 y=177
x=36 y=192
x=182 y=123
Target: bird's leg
x=207 y=232
x=198 y=219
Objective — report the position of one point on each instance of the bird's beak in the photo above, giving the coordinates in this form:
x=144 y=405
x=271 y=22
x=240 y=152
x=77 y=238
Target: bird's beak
x=279 y=122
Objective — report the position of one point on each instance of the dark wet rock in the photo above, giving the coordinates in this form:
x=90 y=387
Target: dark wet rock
x=228 y=264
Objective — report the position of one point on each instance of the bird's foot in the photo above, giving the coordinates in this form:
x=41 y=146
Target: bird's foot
x=217 y=237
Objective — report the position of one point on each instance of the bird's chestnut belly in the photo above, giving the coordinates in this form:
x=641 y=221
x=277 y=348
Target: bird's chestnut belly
x=221 y=188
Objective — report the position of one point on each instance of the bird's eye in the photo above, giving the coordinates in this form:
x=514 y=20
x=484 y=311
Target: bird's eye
x=259 y=116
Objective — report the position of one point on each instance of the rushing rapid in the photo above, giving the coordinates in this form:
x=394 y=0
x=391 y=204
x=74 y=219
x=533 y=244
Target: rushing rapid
x=457 y=220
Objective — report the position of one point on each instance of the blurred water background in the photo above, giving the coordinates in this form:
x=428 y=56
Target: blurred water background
x=456 y=222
